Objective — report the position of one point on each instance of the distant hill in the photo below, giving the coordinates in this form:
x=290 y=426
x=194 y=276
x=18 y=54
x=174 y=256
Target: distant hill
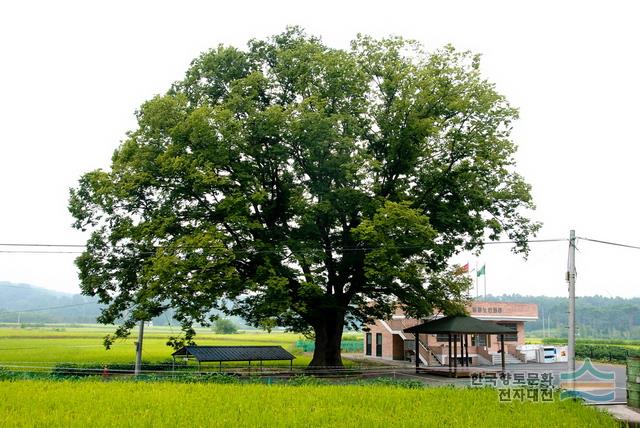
x=596 y=316
x=25 y=303
x=29 y=304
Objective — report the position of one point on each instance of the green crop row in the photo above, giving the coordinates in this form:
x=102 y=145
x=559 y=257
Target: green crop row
x=563 y=341
x=351 y=346
x=143 y=404
x=606 y=353
x=616 y=351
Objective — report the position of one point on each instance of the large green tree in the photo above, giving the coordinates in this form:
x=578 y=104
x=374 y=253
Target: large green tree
x=298 y=185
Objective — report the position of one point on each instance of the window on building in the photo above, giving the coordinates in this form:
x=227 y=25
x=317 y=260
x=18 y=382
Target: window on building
x=510 y=337
x=478 y=340
x=368 y=344
x=378 y=344
x=443 y=338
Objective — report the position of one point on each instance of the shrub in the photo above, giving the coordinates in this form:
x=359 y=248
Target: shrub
x=225 y=326
x=398 y=383
x=299 y=380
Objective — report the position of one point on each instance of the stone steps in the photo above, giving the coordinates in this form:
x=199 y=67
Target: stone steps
x=508 y=359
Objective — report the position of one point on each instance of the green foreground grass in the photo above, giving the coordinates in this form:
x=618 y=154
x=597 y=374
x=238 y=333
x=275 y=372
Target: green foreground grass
x=139 y=404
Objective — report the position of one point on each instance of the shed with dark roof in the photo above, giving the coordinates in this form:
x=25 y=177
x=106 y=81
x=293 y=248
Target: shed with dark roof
x=221 y=354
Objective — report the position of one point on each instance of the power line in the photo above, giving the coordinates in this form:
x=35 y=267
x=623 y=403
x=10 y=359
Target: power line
x=615 y=244
x=238 y=251
x=41 y=245
x=161 y=246
x=528 y=241
x=38 y=252
x=49 y=308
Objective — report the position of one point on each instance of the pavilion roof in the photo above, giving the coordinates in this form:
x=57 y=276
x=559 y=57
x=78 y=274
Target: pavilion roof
x=459 y=324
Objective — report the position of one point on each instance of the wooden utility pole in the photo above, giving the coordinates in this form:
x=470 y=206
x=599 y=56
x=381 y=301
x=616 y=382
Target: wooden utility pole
x=139 y=349
x=571 y=279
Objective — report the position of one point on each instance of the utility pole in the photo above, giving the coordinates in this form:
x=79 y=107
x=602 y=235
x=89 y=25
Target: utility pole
x=571 y=279
x=139 y=349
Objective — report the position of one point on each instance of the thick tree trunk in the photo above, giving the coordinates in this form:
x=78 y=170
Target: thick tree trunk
x=328 y=332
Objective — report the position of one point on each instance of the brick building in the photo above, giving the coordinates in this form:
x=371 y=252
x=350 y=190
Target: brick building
x=386 y=340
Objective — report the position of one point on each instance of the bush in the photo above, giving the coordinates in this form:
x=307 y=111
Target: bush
x=94 y=369
x=606 y=353
x=32 y=325
x=217 y=378
x=398 y=383
x=299 y=380
x=225 y=326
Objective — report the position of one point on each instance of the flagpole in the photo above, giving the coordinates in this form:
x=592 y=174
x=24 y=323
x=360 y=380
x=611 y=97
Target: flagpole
x=477 y=289
x=484 y=273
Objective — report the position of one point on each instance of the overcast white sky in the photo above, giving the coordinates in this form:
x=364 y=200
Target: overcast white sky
x=73 y=73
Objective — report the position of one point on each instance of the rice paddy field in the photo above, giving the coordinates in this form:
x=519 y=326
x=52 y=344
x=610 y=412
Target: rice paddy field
x=93 y=403
x=44 y=400
x=51 y=345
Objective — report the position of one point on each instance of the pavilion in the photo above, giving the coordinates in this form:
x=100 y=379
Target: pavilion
x=458 y=328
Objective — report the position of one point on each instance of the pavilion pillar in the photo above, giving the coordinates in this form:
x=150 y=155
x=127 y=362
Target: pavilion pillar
x=417 y=346
x=466 y=338
x=449 y=349
x=466 y=349
x=502 y=351
x=455 y=354
x=462 y=350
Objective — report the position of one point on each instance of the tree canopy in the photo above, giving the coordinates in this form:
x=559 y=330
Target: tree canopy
x=304 y=186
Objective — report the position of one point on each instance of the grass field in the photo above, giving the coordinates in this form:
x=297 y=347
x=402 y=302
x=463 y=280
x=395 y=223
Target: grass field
x=139 y=404
x=83 y=344
x=627 y=343
x=97 y=403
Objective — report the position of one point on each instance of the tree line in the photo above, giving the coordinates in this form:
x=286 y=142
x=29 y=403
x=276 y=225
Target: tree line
x=597 y=317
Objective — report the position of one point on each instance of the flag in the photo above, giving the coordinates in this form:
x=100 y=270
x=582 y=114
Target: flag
x=481 y=271
x=462 y=269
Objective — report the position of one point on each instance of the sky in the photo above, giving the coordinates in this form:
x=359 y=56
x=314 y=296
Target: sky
x=72 y=75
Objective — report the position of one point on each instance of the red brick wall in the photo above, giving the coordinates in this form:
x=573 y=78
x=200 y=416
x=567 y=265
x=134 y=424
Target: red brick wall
x=387 y=341
x=500 y=310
